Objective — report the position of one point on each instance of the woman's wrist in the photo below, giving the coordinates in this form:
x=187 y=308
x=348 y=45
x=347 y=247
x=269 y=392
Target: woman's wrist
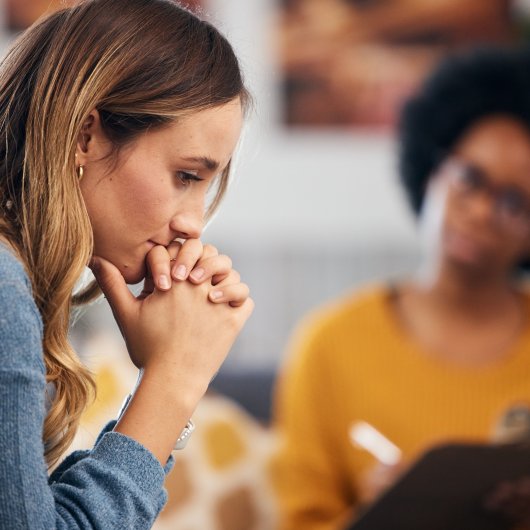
x=177 y=388
x=158 y=411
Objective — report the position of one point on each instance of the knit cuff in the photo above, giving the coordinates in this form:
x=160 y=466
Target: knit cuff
x=129 y=457
x=110 y=426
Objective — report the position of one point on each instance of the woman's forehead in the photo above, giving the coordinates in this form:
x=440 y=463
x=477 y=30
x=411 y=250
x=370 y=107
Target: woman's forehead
x=499 y=145
x=207 y=137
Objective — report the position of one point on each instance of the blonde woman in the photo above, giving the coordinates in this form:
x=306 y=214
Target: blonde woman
x=116 y=119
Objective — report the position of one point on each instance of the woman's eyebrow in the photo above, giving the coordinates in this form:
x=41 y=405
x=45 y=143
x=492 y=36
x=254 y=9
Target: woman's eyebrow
x=205 y=161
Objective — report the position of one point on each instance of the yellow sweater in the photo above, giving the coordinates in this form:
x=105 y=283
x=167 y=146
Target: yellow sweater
x=352 y=362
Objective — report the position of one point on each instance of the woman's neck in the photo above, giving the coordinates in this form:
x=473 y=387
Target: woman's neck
x=483 y=315
x=455 y=289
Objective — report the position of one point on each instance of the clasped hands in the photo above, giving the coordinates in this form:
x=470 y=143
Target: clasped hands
x=196 y=263
x=192 y=307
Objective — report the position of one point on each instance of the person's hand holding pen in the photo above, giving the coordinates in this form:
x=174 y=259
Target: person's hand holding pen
x=388 y=469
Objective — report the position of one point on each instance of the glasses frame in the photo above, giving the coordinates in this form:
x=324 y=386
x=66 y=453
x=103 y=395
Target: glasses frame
x=456 y=168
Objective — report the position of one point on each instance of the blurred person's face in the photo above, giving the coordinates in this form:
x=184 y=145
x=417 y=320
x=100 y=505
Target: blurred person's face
x=157 y=190
x=485 y=226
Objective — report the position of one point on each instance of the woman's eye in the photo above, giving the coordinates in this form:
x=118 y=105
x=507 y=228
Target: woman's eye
x=471 y=179
x=185 y=178
x=512 y=203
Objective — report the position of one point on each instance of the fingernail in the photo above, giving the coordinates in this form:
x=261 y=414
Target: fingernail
x=163 y=282
x=197 y=274
x=215 y=295
x=180 y=273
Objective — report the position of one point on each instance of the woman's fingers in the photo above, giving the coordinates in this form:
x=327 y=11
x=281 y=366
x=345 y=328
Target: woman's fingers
x=246 y=308
x=189 y=254
x=233 y=276
x=207 y=268
x=235 y=295
x=197 y=263
x=159 y=268
x=173 y=249
x=111 y=282
x=208 y=251
x=198 y=273
x=159 y=261
x=230 y=291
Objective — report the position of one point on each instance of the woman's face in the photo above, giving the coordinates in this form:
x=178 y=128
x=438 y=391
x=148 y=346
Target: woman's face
x=486 y=182
x=156 y=192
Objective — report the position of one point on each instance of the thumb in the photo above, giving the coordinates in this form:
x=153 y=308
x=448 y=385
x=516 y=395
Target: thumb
x=113 y=285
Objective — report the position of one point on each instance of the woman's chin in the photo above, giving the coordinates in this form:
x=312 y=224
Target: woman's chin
x=133 y=270
x=466 y=251
x=131 y=273
x=133 y=276
x=470 y=264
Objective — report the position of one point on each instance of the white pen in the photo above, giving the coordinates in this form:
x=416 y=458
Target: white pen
x=367 y=437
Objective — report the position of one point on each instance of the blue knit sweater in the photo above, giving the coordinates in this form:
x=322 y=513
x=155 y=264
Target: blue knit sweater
x=116 y=485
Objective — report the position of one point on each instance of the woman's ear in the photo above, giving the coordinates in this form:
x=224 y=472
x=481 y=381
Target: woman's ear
x=92 y=143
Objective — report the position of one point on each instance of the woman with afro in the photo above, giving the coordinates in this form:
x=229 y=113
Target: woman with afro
x=443 y=355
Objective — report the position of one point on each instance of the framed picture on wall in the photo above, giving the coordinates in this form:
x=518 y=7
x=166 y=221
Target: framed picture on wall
x=20 y=14
x=353 y=62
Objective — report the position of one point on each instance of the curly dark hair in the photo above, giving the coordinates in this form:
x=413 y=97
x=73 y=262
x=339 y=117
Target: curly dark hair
x=462 y=90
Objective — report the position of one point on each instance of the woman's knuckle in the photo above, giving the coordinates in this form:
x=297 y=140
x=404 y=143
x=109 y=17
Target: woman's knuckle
x=210 y=249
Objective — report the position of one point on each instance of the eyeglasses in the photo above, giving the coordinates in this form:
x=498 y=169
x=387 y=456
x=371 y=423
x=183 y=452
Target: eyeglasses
x=510 y=205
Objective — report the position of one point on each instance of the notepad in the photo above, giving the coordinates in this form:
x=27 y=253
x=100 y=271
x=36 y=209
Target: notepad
x=445 y=490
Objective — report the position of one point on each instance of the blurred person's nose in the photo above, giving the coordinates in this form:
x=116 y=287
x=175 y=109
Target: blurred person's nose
x=481 y=207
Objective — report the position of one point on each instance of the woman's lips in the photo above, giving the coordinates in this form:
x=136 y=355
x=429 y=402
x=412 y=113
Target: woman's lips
x=156 y=244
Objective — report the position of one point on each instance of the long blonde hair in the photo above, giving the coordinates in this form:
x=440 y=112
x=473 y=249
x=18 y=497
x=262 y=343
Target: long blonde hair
x=142 y=64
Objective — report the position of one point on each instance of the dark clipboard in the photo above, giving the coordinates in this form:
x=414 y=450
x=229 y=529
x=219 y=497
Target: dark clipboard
x=445 y=490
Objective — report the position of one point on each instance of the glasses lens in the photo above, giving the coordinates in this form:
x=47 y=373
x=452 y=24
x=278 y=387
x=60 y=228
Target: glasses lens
x=511 y=206
x=467 y=178
x=513 y=209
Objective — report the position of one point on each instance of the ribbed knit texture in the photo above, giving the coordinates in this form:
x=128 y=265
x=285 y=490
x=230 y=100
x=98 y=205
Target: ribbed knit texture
x=352 y=362
x=116 y=485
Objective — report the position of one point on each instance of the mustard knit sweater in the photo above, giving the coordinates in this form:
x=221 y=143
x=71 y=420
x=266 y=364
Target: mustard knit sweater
x=352 y=362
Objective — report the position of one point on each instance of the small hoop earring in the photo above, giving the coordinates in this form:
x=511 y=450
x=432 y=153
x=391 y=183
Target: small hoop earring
x=80 y=170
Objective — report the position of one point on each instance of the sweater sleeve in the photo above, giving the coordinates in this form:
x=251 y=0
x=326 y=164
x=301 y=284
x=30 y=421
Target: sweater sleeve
x=118 y=484
x=78 y=455
x=308 y=471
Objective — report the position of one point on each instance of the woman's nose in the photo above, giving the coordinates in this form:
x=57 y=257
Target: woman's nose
x=481 y=207
x=188 y=224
